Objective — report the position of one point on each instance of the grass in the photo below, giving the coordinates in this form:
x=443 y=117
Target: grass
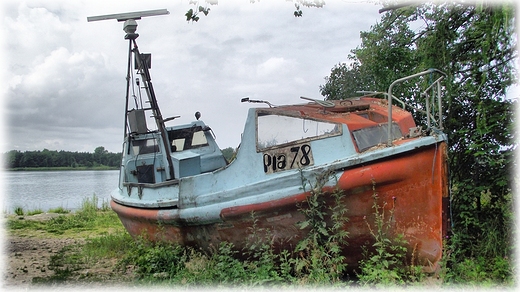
x=59 y=210
x=315 y=263
x=19 y=211
x=34 y=212
x=89 y=220
x=108 y=245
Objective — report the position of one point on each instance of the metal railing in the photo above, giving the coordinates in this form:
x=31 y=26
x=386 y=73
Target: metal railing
x=428 y=114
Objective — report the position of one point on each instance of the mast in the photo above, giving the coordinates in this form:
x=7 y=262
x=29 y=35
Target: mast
x=130 y=27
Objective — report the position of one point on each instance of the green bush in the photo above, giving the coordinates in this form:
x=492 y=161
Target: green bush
x=481 y=271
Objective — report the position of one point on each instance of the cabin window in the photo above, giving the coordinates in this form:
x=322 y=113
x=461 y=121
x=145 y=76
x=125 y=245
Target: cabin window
x=199 y=139
x=178 y=144
x=188 y=138
x=146 y=146
x=275 y=130
x=373 y=136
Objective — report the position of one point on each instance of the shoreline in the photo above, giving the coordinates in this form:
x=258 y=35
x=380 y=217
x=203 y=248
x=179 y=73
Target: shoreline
x=60 y=168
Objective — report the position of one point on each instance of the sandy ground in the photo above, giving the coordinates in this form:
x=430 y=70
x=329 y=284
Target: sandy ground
x=28 y=257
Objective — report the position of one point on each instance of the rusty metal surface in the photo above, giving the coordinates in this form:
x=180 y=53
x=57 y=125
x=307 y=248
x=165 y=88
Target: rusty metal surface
x=413 y=185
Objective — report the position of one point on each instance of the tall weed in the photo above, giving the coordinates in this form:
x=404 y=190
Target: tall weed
x=266 y=266
x=319 y=258
x=88 y=217
x=18 y=210
x=385 y=262
x=482 y=254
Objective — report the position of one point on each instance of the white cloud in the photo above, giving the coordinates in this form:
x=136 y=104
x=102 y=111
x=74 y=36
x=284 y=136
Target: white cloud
x=65 y=78
x=62 y=88
x=272 y=66
x=32 y=34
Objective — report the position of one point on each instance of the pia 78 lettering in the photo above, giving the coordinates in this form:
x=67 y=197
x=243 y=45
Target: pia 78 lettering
x=290 y=157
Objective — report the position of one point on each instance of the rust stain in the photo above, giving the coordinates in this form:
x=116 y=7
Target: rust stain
x=404 y=183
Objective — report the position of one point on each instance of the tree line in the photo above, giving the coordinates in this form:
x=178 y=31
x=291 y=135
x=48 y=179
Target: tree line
x=475 y=44
x=15 y=159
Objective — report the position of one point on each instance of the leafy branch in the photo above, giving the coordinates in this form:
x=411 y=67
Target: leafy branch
x=193 y=14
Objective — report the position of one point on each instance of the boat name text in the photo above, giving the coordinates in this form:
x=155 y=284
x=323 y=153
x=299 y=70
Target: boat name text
x=290 y=157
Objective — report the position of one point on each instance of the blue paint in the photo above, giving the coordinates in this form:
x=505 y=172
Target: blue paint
x=199 y=192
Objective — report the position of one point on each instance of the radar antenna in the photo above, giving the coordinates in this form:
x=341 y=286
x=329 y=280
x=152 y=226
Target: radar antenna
x=142 y=66
x=129 y=15
x=130 y=25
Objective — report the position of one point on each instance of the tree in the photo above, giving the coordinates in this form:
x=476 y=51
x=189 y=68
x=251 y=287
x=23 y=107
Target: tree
x=12 y=159
x=229 y=154
x=475 y=45
x=53 y=158
x=100 y=155
x=193 y=14
x=345 y=81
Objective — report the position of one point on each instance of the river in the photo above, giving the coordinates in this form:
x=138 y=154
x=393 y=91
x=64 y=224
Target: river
x=44 y=190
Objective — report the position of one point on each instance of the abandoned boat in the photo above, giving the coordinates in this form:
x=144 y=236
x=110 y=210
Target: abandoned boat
x=175 y=184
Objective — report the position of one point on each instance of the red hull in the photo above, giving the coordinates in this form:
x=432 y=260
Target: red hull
x=413 y=185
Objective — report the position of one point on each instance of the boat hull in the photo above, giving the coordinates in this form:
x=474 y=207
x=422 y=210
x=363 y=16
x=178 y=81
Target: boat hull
x=410 y=188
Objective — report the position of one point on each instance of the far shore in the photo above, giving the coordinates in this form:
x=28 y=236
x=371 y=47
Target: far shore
x=61 y=168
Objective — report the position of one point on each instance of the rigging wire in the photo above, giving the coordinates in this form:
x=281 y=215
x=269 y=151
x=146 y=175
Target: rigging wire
x=128 y=81
x=139 y=91
x=133 y=89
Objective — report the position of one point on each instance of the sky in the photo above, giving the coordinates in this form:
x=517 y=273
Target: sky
x=64 y=87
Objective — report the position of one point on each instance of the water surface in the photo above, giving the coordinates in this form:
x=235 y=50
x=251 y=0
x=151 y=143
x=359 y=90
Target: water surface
x=46 y=190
